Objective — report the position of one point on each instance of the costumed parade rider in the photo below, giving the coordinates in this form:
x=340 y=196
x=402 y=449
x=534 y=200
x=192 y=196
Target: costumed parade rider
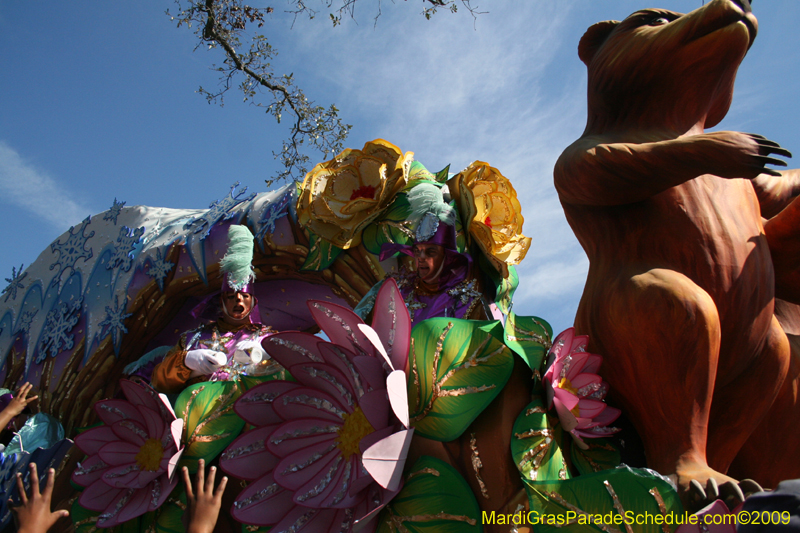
x=441 y=283
x=232 y=344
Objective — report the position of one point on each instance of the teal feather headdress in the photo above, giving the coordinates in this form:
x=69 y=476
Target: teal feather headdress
x=236 y=266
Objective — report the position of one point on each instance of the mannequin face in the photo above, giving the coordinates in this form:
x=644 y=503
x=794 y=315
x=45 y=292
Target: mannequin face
x=428 y=259
x=237 y=306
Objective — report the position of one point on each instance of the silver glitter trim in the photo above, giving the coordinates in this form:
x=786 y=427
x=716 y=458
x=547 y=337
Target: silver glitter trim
x=253 y=447
x=263 y=397
x=299 y=523
x=325 y=376
x=346 y=478
x=296 y=348
x=345 y=326
x=322 y=405
x=258 y=496
x=117 y=508
x=323 y=483
x=127 y=424
x=350 y=367
x=131 y=468
x=313 y=430
x=155 y=495
x=313 y=458
x=81 y=471
x=565 y=368
x=114 y=411
x=591 y=388
x=347 y=524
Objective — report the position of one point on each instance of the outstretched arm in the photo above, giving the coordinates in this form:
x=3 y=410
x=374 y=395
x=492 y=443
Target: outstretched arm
x=17 y=404
x=33 y=513
x=591 y=172
x=203 y=501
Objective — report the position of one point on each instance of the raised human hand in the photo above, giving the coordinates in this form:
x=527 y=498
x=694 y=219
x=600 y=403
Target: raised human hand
x=204 y=361
x=202 y=499
x=18 y=404
x=33 y=514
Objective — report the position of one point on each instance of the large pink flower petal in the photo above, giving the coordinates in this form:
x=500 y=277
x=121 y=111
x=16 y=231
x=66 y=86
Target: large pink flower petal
x=130 y=431
x=140 y=395
x=136 y=506
x=92 y=440
x=326 y=378
x=293 y=347
x=376 y=407
x=153 y=422
x=129 y=476
x=585 y=380
x=567 y=399
x=609 y=415
x=312 y=520
x=340 y=324
x=295 y=435
x=344 y=360
x=306 y=402
x=248 y=457
x=111 y=411
x=372 y=371
x=98 y=496
x=325 y=485
x=590 y=408
x=89 y=471
x=299 y=468
x=392 y=323
x=119 y=453
x=159 y=490
x=262 y=503
x=592 y=364
x=255 y=406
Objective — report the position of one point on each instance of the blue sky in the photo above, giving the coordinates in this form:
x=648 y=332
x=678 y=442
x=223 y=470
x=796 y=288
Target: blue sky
x=97 y=102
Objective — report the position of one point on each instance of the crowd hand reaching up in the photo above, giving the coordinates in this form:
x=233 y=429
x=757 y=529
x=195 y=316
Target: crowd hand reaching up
x=204 y=361
x=249 y=352
x=33 y=514
x=203 y=501
x=17 y=404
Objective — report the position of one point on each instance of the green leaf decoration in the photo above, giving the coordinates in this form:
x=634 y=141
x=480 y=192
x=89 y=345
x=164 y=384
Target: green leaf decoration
x=505 y=290
x=457 y=368
x=601 y=455
x=417 y=173
x=434 y=499
x=321 y=254
x=443 y=175
x=248 y=382
x=530 y=337
x=392 y=226
x=461 y=238
x=535 y=445
x=605 y=501
x=210 y=423
x=169 y=517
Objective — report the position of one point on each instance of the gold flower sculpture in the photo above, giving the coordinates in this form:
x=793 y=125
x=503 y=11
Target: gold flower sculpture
x=342 y=196
x=491 y=213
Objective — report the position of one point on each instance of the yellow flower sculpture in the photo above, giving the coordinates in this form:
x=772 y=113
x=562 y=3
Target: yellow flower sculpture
x=491 y=213
x=342 y=196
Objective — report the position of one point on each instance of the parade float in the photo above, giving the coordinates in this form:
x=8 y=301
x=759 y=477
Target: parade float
x=377 y=402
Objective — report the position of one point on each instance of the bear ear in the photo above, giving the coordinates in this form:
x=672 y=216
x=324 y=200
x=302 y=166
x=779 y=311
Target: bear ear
x=594 y=38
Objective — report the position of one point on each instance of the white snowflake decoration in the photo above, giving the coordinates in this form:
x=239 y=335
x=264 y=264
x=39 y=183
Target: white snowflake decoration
x=57 y=326
x=271 y=215
x=75 y=248
x=123 y=250
x=158 y=268
x=14 y=283
x=219 y=210
x=115 y=321
x=25 y=320
x=114 y=211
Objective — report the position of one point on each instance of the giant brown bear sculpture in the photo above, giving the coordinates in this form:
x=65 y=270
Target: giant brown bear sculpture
x=681 y=284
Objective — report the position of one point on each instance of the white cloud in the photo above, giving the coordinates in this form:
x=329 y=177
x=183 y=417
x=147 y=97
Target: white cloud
x=31 y=189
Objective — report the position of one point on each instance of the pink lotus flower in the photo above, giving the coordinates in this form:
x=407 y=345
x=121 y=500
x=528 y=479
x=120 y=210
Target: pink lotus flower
x=132 y=457
x=573 y=386
x=328 y=451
